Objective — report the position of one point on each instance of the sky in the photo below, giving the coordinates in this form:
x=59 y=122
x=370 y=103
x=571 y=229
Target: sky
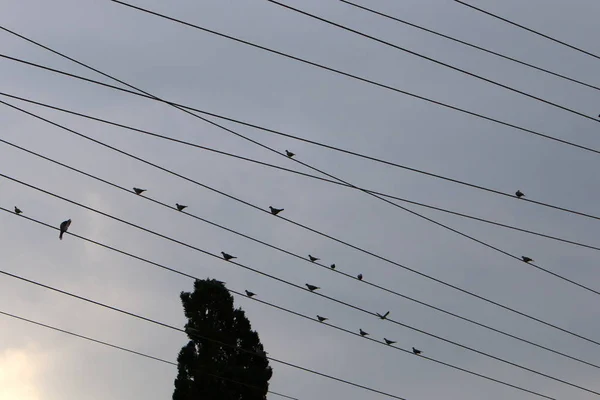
x=195 y=68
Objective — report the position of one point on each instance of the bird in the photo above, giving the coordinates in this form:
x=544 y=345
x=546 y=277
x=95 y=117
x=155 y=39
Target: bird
x=312 y=288
x=250 y=294
x=289 y=154
x=332 y=266
x=138 y=190
x=519 y=194
x=321 y=319
x=275 y=211
x=389 y=342
x=363 y=333
x=384 y=316
x=17 y=210
x=63 y=227
x=180 y=207
x=359 y=277
x=227 y=257
x=416 y=351
x=526 y=259
x=313 y=259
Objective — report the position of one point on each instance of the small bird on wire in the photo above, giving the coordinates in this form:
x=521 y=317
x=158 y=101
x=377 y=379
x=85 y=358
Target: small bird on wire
x=519 y=194
x=389 y=342
x=363 y=333
x=312 y=288
x=384 y=316
x=359 y=277
x=180 y=207
x=138 y=190
x=275 y=211
x=18 y=211
x=289 y=154
x=416 y=351
x=526 y=259
x=321 y=319
x=64 y=226
x=250 y=294
x=313 y=259
x=227 y=257
x=332 y=266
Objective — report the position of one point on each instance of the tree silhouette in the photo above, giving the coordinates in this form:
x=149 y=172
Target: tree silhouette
x=209 y=370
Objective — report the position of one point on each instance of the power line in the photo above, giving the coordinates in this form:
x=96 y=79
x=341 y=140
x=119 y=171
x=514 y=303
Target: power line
x=457 y=181
x=126 y=349
x=341 y=302
x=323 y=234
x=194 y=334
x=183 y=142
x=301 y=258
x=527 y=29
x=362 y=7
x=414 y=53
x=337 y=71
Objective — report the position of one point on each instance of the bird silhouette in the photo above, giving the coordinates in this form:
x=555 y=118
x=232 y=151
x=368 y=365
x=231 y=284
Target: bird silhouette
x=519 y=194
x=275 y=211
x=17 y=210
x=384 y=316
x=250 y=294
x=289 y=154
x=363 y=333
x=321 y=319
x=312 y=288
x=359 y=276
x=180 y=207
x=138 y=190
x=64 y=226
x=313 y=259
x=389 y=342
x=526 y=259
x=332 y=266
x=416 y=351
x=227 y=257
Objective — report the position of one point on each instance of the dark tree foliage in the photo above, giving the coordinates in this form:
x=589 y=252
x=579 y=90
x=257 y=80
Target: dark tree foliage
x=207 y=370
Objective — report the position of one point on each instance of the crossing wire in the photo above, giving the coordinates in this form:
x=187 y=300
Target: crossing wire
x=337 y=271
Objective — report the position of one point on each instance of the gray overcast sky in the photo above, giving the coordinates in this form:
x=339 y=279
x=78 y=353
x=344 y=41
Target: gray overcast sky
x=212 y=73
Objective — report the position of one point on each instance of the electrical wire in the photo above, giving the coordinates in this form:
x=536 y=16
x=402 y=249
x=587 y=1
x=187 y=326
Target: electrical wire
x=528 y=29
x=326 y=235
x=193 y=333
x=337 y=271
x=330 y=298
x=414 y=53
x=556 y=74
x=430 y=174
x=183 y=142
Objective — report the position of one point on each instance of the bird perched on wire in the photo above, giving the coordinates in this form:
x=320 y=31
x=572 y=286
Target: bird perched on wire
x=289 y=154
x=384 y=316
x=180 y=207
x=312 y=288
x=138 y=190
x=363 y=333
x=526 y=259
x=227 y=257
x=519 y=194
x=389 y=342
x=275 y=211
x=250 y=294
x=313 y=259
x=359 y=277
x=64 y=226
x=321 y=319
x=17 y=210
x=332 y=266
x=416 y=351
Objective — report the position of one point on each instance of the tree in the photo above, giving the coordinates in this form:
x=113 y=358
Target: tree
x=209 y=370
